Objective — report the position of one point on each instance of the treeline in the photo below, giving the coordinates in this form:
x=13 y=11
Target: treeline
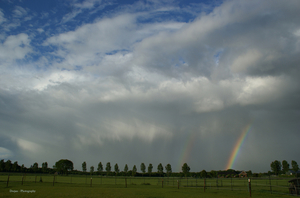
x=8 y=166
x=65 y=167
x=283 y=167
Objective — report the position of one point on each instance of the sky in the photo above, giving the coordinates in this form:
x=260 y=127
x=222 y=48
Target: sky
x=214 y=84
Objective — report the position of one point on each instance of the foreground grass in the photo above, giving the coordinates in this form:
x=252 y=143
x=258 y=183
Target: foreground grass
x=80 y=190
x=79 y=186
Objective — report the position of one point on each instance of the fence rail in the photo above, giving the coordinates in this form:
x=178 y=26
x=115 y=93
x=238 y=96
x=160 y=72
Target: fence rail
x=273 y=185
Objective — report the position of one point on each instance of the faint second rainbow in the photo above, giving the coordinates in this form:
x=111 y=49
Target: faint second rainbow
x=237 y=147
x=187 y=149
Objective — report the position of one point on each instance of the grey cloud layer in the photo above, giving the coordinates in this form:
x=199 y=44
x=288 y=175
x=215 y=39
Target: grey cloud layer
x=132 y=93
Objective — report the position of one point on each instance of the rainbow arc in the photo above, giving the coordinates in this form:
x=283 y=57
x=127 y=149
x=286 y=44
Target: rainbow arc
x=237 y=147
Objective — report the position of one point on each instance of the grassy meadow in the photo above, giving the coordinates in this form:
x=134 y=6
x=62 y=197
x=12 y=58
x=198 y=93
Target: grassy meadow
x=84 y=186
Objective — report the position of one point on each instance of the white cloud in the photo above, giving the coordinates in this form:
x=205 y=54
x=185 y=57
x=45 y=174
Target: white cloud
x=88 y=45
x=19 y=12
x=55 y=78
x=5 y=153
x=29 y=146
x=70 y=16
x=2 y=18
x=87 y=4
x=90 y=42
x=15 y=47
x=93 y=5
x=297 y=32
x=263 y=90
x=249 y=59
x=118 y=130
x=40 y=30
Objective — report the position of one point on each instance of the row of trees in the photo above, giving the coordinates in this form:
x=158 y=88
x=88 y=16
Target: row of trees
x=133 y=172
x=8 y=166
x=282 y=168
x=65 y=166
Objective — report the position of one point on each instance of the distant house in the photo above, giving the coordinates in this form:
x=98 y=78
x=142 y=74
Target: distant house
x=228 y=173
x=291 y=172
x=243 y=174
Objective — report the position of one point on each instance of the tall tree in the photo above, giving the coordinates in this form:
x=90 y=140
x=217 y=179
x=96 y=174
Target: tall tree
x=295 y=166
x=8 y=165
x=100 y=168
x=134 y=170
x=117 y=170
x=249 y=173
x=285 y=166
x=35 y=167
x=84 y=166
x=64 y=166
x=44 y=167
x=2 y=165
x=15 y=166
x=143 y=168
x=108 y=168
x=213 y=173
x=185 y=169
x=276 y=167
x=126 y=169
x=22 y=168
x=91 y=170
x=150 y=167
x=203 y=174
x=160 y=169
x=168 y=169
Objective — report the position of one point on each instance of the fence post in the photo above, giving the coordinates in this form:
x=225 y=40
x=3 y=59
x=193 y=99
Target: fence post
x=249 y=181
x=177 y=184
x=297 y=185
x=35 y=180
x=7 y=181
x=204 y=184
x=162 y=183
x=53 y=179
x=91 y=181
x=270 y=184
x=125 y=182
x=22 y=179
x=231 y=184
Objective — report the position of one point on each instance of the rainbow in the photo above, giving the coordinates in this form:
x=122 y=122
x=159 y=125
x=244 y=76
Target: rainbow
x=187 y=149
x=237 y=147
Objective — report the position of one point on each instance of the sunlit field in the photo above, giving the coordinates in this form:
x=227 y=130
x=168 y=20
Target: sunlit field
x=97 y=186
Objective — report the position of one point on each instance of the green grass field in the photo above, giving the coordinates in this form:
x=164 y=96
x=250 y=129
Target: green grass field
x=80 y=186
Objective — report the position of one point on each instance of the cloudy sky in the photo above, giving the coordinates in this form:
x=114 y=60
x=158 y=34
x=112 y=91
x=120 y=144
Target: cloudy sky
x=150 y=81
